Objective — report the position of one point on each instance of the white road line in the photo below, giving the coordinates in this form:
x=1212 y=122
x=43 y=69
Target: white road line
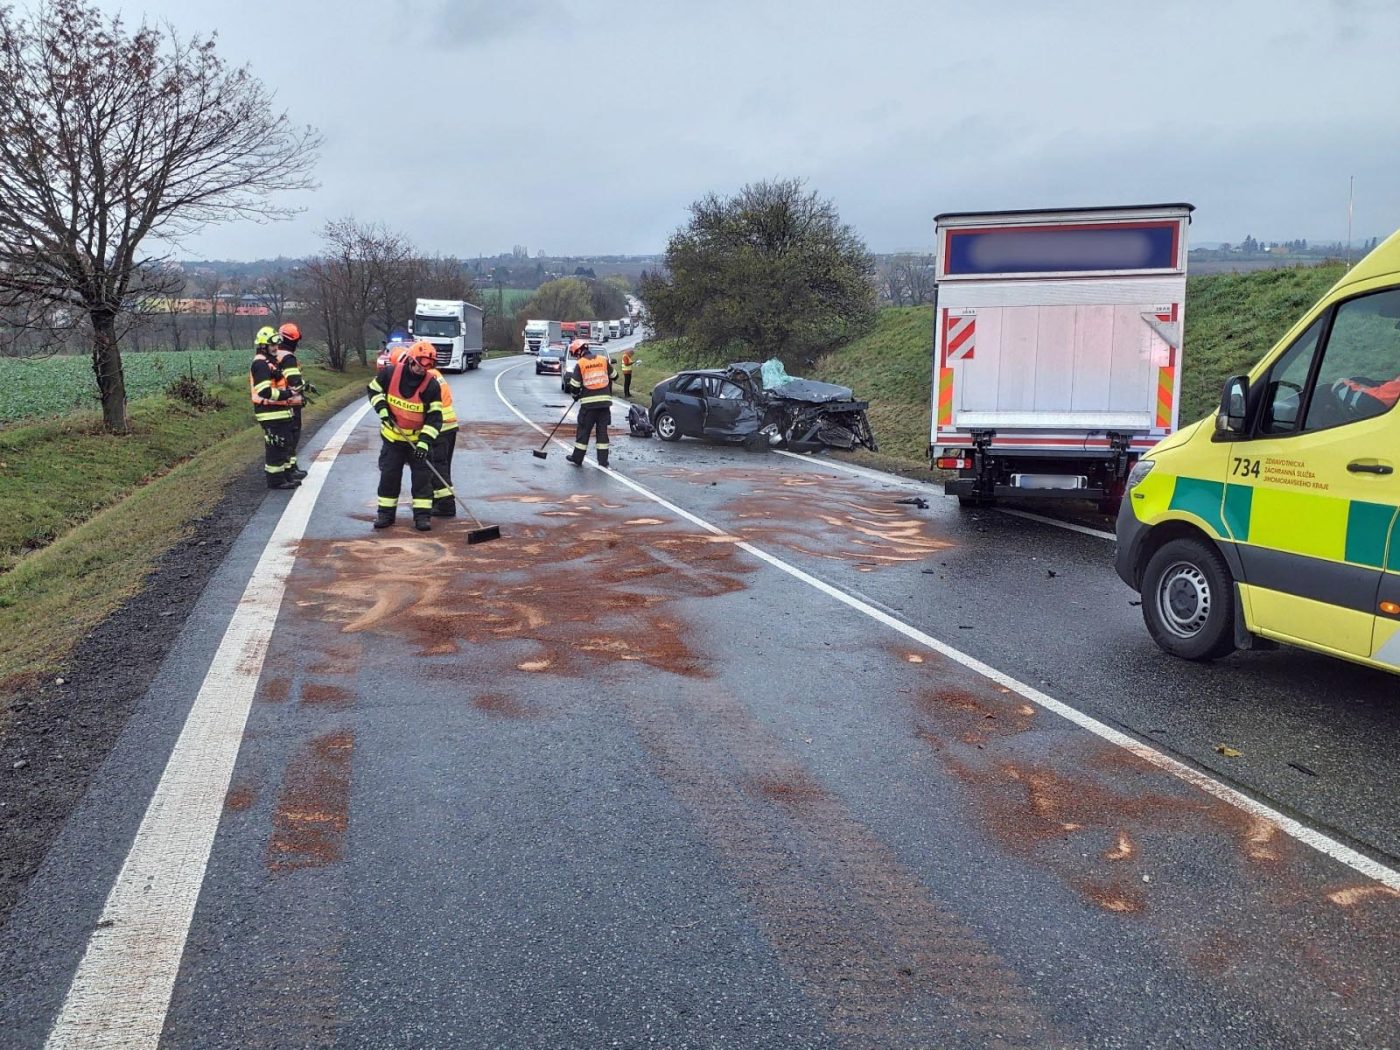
x=924 y=487
x=121 y=991
x=1071 y=526
x=1319 y=841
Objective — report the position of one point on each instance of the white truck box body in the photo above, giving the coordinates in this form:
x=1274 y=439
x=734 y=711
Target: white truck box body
x=539 y=334
x=454 y=328
x=1059 y=330
x=614 y=329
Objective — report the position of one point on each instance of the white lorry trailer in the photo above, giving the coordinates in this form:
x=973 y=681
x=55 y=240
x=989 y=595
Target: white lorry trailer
x=454 y=329
x=540 y=334
x=1056 y=348
x=599 y=330
x=614 y=329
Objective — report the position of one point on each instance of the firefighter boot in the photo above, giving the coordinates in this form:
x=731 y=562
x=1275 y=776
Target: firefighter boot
x=297 y=474
x=445 y=508
x=423 y=521
x=282 y=481
x=384 y=518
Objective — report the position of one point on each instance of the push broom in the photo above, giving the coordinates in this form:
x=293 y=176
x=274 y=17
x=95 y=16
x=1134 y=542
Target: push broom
x=540 y=452
x=480 y=534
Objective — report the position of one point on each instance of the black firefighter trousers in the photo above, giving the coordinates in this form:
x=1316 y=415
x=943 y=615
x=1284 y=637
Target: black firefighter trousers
x=444 y=506
x=592 y=419
x=393 y=457
x=277 y=449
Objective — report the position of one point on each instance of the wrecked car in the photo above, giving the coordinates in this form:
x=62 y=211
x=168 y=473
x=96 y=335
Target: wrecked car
x=760 y=406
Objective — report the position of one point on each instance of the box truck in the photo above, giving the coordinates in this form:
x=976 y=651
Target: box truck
x=539 y=334
x=454 y=329
x=600 y=331
x=1056 y=348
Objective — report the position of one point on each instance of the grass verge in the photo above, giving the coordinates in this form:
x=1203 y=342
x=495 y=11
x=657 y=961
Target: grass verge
x=52 y=597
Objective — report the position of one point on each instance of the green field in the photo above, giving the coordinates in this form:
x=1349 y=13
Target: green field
x=55 y=386
x=1231 y=321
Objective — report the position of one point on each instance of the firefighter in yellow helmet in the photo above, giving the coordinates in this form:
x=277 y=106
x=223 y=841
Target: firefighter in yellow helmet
x=591 y=384
x=409 y=403
x=274 y=406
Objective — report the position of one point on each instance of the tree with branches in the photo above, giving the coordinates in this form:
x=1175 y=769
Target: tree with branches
x=114 y=141
x=771 y=271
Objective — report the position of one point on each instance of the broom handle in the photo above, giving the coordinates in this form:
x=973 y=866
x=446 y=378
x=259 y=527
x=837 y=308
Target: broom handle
x=443 y=482
x=556 y=427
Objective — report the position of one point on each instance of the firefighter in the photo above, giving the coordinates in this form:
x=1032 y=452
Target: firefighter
x=591 y=384
x=285 y=344
x=409 y=403
x=444 y=504
x=628 y=356
x=274 y=402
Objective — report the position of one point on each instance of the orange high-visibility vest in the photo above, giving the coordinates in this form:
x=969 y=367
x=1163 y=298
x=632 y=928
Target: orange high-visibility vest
x=407 y=411
x=593 y=373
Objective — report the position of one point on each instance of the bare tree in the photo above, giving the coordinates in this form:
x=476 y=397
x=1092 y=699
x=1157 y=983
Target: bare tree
x=113 y=139
x=273 y=292
x=209 y=285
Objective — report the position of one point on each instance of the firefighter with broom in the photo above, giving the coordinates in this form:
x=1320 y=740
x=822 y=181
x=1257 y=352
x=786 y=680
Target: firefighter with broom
x=591 y=384
x=408 y=400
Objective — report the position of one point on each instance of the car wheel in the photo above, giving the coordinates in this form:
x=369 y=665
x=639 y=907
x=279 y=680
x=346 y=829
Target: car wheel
x=1188 y=600
x=666 y=428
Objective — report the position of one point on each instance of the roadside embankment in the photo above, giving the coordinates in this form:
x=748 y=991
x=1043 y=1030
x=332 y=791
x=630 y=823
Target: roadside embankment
x=84 y=515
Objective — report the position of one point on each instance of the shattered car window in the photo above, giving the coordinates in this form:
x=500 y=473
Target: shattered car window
x=730 y=392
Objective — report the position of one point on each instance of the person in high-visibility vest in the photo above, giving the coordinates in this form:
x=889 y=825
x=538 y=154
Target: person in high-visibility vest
x=628 y=356
x=591 y=384
x=274 y=402
x=444 y=505
x=409 y=403
x=285 y=343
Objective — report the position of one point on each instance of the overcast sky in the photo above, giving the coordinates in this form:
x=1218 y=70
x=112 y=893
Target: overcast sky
x=588 y=126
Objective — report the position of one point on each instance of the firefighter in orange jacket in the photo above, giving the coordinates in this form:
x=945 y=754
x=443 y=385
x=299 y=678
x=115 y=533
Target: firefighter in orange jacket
x=285 y=346
x=409 y=403
x=591 y=384
x=444 y=505
x=274 y=402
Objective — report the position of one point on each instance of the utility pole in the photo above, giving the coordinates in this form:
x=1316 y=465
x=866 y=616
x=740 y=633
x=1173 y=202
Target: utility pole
x=1351 y=202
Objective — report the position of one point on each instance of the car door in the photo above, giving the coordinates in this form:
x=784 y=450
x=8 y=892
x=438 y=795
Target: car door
x=1314 y=492
x=726 y=410
x=685 y=402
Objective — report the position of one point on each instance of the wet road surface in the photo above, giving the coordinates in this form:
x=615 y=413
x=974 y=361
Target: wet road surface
x=614 y=780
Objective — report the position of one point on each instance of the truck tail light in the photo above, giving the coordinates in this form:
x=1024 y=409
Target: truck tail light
x=952 y=463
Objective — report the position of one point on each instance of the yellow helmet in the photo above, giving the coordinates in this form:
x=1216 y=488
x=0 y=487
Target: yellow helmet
x=266 y=336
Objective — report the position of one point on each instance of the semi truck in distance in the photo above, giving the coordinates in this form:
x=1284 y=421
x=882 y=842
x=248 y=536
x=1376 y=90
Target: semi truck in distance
x=614 y=329
x=600 y=331
x=540 y=334
x=1056 y=348
x=454 y=329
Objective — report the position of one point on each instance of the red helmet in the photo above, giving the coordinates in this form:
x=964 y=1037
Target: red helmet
x=577 y=347
x=290 y=333
x=423 y=353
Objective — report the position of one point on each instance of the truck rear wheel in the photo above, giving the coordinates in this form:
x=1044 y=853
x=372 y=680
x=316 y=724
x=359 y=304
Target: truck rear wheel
x=1188 y=600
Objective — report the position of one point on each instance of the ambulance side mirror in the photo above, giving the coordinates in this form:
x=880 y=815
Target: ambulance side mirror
x=1234 y=401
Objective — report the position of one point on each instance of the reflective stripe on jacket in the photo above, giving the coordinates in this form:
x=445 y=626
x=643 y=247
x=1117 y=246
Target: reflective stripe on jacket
x=449 y=413
x=594 y=378
x=267 y=387
x=413 y=402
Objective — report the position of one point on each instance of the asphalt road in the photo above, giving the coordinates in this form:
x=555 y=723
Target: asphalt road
x=727 y=750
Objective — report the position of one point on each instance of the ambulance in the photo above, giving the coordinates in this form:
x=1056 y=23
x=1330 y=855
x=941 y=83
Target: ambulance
x=1276 y=520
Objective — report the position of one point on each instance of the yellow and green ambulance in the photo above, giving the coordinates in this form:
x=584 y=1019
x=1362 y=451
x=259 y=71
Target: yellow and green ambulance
x=1276 y=521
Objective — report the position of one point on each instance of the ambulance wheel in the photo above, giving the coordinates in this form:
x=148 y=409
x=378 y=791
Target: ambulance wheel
x=1188 y=600
x=666 y=428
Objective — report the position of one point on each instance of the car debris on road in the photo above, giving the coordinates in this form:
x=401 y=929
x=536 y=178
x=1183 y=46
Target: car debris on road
x=761 y=406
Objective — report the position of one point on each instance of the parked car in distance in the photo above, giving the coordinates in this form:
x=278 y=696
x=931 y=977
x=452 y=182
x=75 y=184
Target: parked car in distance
x=550 y=361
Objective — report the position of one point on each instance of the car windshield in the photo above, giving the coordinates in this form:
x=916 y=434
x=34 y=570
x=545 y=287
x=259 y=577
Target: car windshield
x=442 y=327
